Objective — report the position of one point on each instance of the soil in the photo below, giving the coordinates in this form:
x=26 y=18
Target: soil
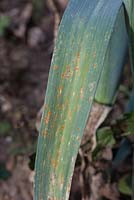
x=25 y=54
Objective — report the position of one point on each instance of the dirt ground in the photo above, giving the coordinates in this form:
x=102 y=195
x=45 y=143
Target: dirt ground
x=25 y=53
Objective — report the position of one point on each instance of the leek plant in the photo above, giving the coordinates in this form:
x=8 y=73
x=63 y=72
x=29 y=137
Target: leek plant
x=87 y=62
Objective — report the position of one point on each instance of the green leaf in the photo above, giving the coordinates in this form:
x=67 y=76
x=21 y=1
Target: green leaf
x=129 y=5
x=114 y=63
x=126 y=124
x=122 y=153
x=5 y=128
x=105 y=137
x=124 y=185
x=4 y=173
x=78 y=60
x=97 y=152
x=4 y=22
x=130 y=106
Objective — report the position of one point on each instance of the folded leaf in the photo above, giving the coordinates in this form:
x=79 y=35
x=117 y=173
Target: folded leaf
x=129 y=5
x=114 y=62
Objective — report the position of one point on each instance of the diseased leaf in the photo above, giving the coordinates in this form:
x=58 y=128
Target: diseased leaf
x=78 y=61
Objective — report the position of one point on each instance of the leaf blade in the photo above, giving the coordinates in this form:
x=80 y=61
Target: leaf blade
x=72 y=84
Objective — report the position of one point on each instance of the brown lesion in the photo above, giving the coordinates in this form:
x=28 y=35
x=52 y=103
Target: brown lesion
x=62 y=127
x=60 y=89
x=70 y=115
x=78 y=57
x=54 y=163
x=47 y=118
x=77 y=69
x=45 y=133
x=81 y=93
x=77 y=62
x=94 y=65
x=68 y=73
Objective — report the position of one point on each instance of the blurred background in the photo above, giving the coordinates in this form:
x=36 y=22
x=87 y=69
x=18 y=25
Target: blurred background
x=27 y=32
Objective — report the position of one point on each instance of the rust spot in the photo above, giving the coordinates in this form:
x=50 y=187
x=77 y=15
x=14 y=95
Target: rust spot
x=61 y=181
x=78 y=129
x=81 y=93
x=54 y=163
x=94 y=65
x=55 y=67
x=45 y=133
x=69 y=115
x=68 y=73
x=77 y=61
x=61 y=178
x=77 y=69
x=62 y=127
x=47 y=118
x=78 y=56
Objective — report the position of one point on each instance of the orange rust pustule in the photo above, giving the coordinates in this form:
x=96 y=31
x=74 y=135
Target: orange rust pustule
x=68 y=73
x=77 y=61
x=62 y=127
x=77 y=69
x=78 y=56
x=47 y=118
x=94 y=65
x=54 y=163
x=81 y=93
